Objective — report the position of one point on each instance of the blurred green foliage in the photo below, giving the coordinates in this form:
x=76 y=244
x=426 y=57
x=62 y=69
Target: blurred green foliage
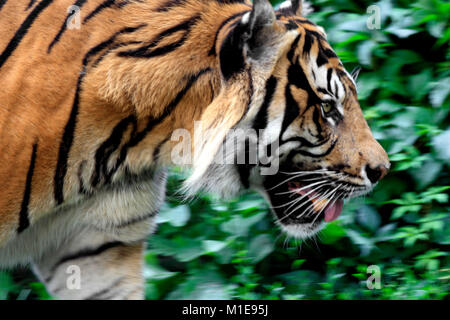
x=213 y=249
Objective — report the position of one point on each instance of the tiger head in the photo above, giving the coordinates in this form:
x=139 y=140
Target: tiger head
x=304 y=102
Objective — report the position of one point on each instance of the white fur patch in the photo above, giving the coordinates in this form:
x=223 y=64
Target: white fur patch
x=245 y=18
x=306 y=7
x=301 y=231
x=286 y=4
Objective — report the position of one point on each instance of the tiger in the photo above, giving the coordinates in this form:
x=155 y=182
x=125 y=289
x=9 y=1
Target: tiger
x=93 y=93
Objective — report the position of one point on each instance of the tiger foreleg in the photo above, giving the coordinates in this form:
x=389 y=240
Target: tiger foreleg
x=87 y=269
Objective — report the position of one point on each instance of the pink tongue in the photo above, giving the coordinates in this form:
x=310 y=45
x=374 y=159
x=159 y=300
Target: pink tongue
x=332 y=212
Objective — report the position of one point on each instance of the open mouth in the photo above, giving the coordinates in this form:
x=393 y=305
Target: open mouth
x=305 y=202
x=329 y=208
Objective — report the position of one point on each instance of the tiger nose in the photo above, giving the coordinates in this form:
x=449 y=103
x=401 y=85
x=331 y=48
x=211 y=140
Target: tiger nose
x=377 y=173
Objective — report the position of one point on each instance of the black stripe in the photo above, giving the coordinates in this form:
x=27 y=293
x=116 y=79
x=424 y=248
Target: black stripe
x=231 y=55
x=297 y=77
x=22 y=31
x=31 y=4
x=170 y=4
x=82 y=189
x=100 y=8
x=244 y=169
x=294 y=152
x=116 y=46
x=24 y=221
x=316 y=120
x=324 y=91
x=249 y=93
x=66 y=144
x=148 y=51
x=282 y=13
x=104 y=152
x=158 y=148
x=316 y=35
x=213 y=51
x=230 y=1
x=78 y=3
x=290 y=25
x=2 y=3
x=137 y=219
x=321 y=58
x=320 y=155
x=262 y=118
x=100 y=295
x=304 y=142
x=304 y=21
x=152 y=122
x=85 y=253
x=294 y=45
x=307 y=43
x=327 y=52
x=291 y=111
x=244 y=174
x=324 y=53
x=104 y=5
x=329 y=74
x=67 y=139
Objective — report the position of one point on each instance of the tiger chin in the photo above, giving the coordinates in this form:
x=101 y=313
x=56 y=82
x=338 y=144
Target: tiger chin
x=99 y=97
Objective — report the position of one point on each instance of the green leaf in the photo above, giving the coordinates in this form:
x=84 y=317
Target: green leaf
x=260 y=247
x=385 y=233
x=440 y=92
x=365 y=52
x=213 y=245
x=366 y=245
x=369 y=217
x=250 y=205
x=399 y=212
x=441 y=144
x=401 y=32
x=6 y=285
x=240 y=226
x=332 y=233
x=155 y=272
x=420 y=83
x=177 y=216
x=202 y=285
x=427 y=173
x=296 y=264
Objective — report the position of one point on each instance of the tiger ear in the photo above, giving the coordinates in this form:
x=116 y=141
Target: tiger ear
x=262 y=15
x=298 y=7
x=250 y=38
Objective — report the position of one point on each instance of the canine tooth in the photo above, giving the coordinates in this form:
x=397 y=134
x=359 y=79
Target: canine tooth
x=319 y=204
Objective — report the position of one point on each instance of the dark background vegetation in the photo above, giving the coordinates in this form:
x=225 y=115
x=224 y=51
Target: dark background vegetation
x=211 y=249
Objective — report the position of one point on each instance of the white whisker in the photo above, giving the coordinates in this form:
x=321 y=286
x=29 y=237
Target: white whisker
x=325 y=196
x=334 y=201
x=303 y=196
x=298 y=207
x=307 y=172
x=302 y=188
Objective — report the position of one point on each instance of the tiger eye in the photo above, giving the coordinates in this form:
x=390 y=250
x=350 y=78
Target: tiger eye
x=327 y=107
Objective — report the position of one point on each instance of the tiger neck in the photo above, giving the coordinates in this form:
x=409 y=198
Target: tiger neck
x=170 y=79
